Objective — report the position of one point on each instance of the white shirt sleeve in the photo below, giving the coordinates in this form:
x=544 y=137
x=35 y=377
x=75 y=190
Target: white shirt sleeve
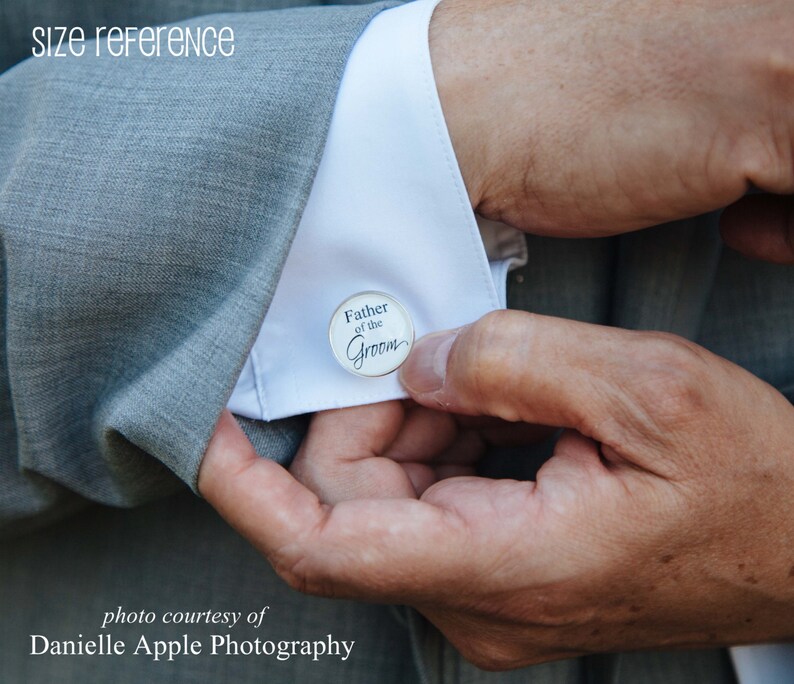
x=764 y=664
x=388 y=212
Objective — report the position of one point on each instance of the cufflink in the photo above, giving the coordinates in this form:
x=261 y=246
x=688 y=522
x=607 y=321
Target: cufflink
x=371 y=334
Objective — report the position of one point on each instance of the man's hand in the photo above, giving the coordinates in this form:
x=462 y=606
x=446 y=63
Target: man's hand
x=664 y=517
x=575 y=118
x=397 y=449
x=389 y=450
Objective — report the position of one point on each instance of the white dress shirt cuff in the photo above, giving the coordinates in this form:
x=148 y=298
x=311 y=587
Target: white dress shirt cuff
x=388 y=212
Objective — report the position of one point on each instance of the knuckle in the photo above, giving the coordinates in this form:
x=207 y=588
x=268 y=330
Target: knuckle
x=488 y=363
x=482 y=348
x=770 y=162
x=778 y=62
x=295 y=580
x=495 y=319
x=303 y=565
x=488 y=337
x=765 y=154
x=302 y=577
x=489 y=654
x=675 y=377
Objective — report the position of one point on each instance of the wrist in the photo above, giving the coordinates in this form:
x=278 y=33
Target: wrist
x=494 y=113
x=452 y=36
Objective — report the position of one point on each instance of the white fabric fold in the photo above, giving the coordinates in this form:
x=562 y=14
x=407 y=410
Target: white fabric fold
x=388 y=212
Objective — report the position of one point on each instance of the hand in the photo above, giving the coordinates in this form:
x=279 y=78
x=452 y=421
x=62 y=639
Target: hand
x=389 y=450
x=663 y=518
x=575 y=118
x=397 y=449
x=666 y=514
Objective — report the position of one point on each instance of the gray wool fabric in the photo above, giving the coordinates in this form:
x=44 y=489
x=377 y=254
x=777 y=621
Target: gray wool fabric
x=146 y=208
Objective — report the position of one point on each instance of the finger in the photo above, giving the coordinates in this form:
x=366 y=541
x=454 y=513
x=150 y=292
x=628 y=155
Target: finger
x=612 y=385
x=513 y=366
x=422 y=476
x=502 y=433
x=761 y=227
x=575 y=466
x=247 y=490
x=423 y=436
x=466 y=450
x=354 y=453
x=351 y=434
x=457 y=460
x=444 y=472
x=340 y=457
x=388 y=550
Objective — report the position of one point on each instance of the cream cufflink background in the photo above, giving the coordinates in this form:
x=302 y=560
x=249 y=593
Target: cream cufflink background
x=371 y=334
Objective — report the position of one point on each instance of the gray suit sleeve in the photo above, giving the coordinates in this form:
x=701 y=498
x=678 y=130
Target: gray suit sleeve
x=146 y=209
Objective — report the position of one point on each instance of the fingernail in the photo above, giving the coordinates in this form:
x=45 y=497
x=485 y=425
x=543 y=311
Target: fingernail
x=426 y=367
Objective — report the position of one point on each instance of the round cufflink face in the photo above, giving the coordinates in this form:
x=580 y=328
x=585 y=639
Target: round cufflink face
x=371 y=334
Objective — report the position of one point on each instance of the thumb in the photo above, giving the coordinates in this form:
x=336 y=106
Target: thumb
x=256 y=496
x=515 y=366
x=389 y=550
x=761 y=227
x=614 y=386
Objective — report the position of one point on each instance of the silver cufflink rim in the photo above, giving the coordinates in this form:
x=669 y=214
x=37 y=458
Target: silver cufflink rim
x=378 y=293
